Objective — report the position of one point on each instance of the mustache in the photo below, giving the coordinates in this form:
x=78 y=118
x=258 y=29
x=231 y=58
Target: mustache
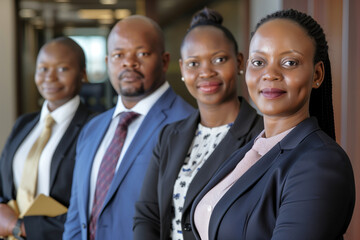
x=128 y=71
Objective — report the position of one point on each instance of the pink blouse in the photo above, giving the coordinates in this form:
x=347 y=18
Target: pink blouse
x=205 y=207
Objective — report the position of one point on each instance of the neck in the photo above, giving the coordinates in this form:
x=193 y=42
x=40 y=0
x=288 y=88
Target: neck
x=275 y=125
x=218 y=115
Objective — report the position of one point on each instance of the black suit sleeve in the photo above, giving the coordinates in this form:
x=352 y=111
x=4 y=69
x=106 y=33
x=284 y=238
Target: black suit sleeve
x=147 y=216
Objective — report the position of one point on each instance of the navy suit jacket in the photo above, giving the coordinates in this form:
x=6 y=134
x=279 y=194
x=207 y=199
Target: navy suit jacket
x=61 y=172
x=116 y=217
x=303 y=188
x=153 y=211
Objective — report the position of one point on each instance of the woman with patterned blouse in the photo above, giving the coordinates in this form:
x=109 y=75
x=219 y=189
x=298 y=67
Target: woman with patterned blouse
x=190 y=151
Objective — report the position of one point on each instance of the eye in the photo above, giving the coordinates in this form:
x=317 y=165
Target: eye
x=192 y=64
x=257 y=63
x=143 y=54
x=117 y=55
x=62 y=69
x=219 y=60
x=290 y=63
x=41 y=69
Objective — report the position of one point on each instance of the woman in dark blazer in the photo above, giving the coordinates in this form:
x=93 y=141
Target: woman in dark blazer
x=60 y=70
x=190 y=151
x=293 y=181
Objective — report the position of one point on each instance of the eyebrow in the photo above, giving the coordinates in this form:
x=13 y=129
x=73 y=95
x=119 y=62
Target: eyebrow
x=282 y=53
x=220 y=51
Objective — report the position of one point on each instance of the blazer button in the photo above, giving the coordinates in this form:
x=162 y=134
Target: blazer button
x=187 y=227
x=83 y=226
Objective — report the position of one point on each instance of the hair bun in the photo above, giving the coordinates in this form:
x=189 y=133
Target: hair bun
x=206 y=17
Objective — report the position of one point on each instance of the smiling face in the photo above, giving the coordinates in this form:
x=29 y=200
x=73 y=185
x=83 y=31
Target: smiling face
x=136 y=60
x=280 y=70
x=209 y=66
x=58 y=75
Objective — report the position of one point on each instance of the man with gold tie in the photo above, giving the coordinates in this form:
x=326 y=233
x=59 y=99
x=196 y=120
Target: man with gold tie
x=39 y=156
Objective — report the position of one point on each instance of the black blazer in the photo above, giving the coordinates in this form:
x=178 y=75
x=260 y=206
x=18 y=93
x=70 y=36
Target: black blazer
x=303 y=188
x=61 y=172
x=153 y=210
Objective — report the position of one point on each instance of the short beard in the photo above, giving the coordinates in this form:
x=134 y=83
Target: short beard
x=132 y=92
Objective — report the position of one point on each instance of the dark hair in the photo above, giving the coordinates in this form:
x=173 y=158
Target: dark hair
x=209 y=17
x=321 y=105
x=74 y=47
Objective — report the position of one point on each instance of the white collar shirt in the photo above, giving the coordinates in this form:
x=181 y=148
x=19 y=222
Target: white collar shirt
x=142 y=108
x=62 y=116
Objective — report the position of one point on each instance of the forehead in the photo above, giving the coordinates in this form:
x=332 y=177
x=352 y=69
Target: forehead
x=56 y=51
x=283 y=34
x=133 y=33
x=206 y=38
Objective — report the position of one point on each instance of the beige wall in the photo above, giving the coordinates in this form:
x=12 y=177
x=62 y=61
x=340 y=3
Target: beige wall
x=7 y=69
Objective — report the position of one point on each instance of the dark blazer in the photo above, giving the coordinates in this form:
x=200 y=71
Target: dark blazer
x=303 y=188
x=153 y=211
x=62 y=164
x=116 y=215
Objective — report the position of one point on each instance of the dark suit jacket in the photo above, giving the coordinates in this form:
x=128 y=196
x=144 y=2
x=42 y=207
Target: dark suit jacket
x=62 y=164
x=116 y=215
x=153 y=211
x=303 y=188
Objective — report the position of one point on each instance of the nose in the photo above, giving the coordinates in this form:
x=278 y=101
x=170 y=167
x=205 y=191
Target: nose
x=130 y=61
x=206 y=71
x=50 y=75
x=271 y=73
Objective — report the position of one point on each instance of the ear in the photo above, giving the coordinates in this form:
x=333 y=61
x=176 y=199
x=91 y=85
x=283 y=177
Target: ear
x=319 y=73
x=166 y=61
x=240 y=62
x=106 y=60
x=181 y=65
x=84 y=77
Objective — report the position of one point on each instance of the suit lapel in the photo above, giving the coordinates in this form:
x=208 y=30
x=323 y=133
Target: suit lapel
x=241 y=185
x=68 y=140
x=184 y=134
x=152 y=122
x=235 y=138
x=92 y=143
x=18 y=139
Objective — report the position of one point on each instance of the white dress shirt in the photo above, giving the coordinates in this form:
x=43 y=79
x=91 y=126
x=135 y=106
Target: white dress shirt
x=142 y=108
x=62 y=116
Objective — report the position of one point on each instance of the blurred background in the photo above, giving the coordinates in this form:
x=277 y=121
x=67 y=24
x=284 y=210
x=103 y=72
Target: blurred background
x=25 y=25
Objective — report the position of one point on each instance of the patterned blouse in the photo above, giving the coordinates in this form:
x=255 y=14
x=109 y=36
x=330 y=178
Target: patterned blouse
x=205 y=141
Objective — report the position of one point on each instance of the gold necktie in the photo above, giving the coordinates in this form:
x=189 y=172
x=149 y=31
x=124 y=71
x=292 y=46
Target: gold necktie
x=27 y=188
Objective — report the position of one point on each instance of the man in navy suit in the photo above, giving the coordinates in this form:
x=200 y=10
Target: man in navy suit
x=137 y=63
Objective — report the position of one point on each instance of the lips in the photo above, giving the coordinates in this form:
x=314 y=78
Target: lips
x=50 y=89
x=130 y=76
x=272 y=93
x=209 y=87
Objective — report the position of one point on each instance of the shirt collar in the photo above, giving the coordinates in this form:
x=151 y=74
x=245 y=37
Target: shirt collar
x=262 y=145
x=61 y=113
x=144 y=105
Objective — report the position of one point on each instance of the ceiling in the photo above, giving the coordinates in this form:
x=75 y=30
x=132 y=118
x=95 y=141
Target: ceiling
x=70 y=13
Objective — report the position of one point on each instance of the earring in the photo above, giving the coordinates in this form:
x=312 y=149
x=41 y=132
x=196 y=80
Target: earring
x=182 y=79
x=317 y=84
x=241 y=72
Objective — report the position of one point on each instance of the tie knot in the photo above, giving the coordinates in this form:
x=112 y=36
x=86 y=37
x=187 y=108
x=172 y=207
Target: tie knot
x=49 y=121
x=126 y=118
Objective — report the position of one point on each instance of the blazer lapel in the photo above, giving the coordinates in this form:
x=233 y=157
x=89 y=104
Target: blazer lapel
x=184 y=134
x=241 y=185
x=68 y=140
x=236 y=137
x=18 y=139
x=153 y=120
x=92 y=144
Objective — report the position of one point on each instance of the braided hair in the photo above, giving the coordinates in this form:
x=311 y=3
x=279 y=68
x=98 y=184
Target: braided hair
x=209 y=17
x=321 y=105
